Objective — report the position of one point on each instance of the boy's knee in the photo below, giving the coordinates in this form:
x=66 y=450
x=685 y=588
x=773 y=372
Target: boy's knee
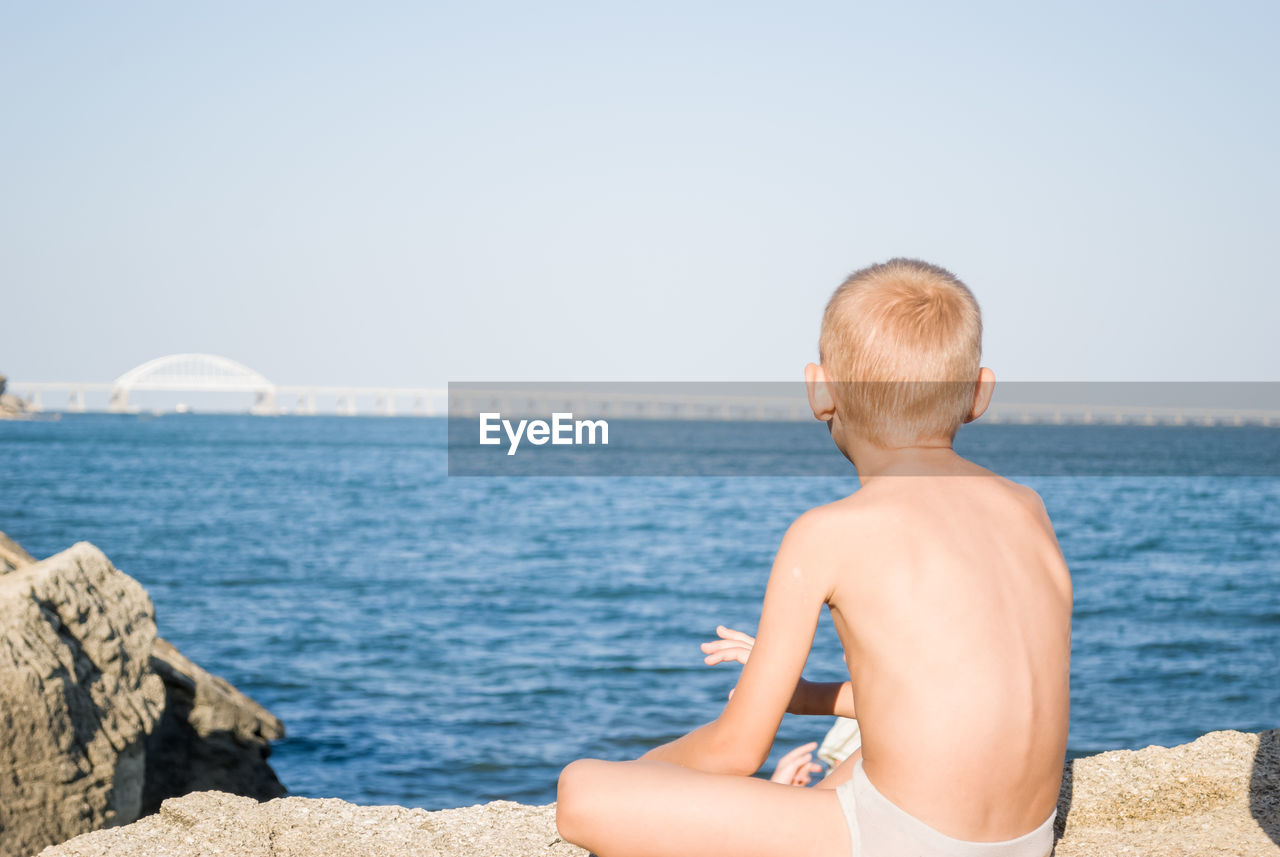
x=573 y=795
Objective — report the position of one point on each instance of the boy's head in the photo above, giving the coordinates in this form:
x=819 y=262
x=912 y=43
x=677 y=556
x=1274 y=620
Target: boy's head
x=900 y=349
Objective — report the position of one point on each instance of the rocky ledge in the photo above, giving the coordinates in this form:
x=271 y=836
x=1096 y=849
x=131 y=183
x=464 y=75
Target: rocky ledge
x=100 y=719
x=1219 y=795
x=11 y=407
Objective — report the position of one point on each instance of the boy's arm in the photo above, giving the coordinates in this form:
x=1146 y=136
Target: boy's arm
x=823 y=697
x=738 y=741
x=809 y=697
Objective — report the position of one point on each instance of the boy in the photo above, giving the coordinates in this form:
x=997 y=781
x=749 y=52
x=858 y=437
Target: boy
x=951 y=599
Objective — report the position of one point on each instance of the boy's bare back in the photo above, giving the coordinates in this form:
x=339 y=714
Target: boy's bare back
x=953 y=603
x=951 y=599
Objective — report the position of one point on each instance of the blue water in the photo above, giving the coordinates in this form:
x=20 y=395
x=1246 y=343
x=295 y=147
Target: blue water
x=439 y=642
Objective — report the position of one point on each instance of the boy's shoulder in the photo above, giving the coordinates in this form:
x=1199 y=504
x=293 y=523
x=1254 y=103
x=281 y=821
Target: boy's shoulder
x=853 y=538
x=833 y=524
x=891 y=503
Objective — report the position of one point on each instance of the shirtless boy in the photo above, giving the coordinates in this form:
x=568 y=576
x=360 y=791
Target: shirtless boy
x=952 y=602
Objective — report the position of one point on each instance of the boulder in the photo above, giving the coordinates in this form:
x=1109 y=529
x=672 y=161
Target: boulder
x=1219 y=795
x=100 y=720
x=79 y=698
x=12 y=555
x=11 y=407
x=210 y=737
x=209 y=823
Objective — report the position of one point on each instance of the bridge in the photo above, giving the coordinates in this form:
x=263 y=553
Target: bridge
x=788 y=402
x=213 y=373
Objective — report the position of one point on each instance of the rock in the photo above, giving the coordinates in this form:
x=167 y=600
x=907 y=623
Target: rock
x=79 y=698
x=208 y=823
x=101 y=720
x=1219 y=795
x=11 y=407
x=11 y=553
x=211 y=738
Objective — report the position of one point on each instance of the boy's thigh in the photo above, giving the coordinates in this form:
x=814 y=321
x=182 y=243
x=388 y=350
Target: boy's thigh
x=841 y=773
x=655 y=809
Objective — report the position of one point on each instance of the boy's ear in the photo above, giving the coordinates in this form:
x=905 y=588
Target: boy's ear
x=815 y=381
x=982 y=393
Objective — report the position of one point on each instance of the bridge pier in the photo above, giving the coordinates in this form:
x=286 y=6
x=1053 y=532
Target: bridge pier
x=119 y=401
x=265 y=404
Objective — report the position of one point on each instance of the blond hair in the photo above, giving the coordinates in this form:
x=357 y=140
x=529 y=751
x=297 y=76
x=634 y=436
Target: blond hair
x=902 y=343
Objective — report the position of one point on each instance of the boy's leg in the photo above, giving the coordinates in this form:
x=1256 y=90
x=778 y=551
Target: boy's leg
x=841 y=773
x=656 y=809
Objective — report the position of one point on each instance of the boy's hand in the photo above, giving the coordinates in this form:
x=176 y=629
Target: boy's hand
x=797 y=767
x=732 y=646
x=736 y=646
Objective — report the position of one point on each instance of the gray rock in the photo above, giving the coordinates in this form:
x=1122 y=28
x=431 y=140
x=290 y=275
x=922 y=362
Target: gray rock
x=101 y=720
x=211 y=823
x=1219 y=795
x=11 y=407
x=211 y=737
x=12 y=555
x=79 y=698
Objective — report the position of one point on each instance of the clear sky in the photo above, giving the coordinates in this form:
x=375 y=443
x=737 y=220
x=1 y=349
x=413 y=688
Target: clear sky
x=378 y=193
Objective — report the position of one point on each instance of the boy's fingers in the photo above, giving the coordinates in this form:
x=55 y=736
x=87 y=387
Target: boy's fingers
x=727 y=653
x=719 y=645
x=731 y=634
x=803 y=750
x=804 y=776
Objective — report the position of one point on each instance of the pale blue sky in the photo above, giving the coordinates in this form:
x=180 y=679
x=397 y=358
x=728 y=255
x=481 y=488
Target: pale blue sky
x=407 y=193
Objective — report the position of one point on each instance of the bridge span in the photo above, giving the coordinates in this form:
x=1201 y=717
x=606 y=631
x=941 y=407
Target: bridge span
x=200 y=374
x=212 y=373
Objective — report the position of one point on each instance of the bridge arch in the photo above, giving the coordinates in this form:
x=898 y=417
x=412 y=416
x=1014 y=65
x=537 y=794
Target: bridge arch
x=195 y=373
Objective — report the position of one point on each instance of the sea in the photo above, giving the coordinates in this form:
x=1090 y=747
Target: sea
x=439 y=641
